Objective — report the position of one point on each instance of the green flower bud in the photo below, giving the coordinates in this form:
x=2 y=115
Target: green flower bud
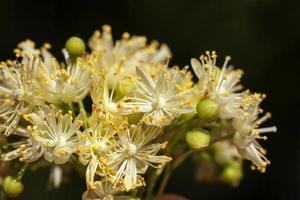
x=12 y=187
x=75 y=46
x=207 y=110
x=232 y=173
x=197 y=138
x=124 y=87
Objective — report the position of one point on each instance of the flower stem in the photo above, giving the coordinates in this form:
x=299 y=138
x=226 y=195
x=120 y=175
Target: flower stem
x=150 y=187
x=171 y=167
x=182 y=158
x=81 y=105
x=22 y=171
x=165 y=180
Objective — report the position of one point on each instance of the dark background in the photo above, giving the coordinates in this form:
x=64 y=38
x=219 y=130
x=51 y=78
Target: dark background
x=262 y=36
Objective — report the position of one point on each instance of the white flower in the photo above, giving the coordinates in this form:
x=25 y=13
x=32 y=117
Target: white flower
x=27 y=149
x=221 y=85
x=119 y=59
x=19 y=91
x=134 y=153
x=60 y=84
x=57 y=132
x=248 y=131
x=93 y=149
x=161 y=99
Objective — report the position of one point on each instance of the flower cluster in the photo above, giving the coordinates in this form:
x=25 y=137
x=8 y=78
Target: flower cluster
x=119 y=113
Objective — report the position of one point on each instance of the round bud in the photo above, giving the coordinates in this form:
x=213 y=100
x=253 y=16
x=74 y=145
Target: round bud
x=232 y=173
x=208 y=110
x=197 y=138
x=75 y=46
x=12 y=187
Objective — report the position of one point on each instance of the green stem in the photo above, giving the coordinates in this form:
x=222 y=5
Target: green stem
x=165 y=180
x=176 y=135
x=81 y=105
x=151 y=183
x=179 y=161
x=182 y=158
x=222 y=138
x=22 y=171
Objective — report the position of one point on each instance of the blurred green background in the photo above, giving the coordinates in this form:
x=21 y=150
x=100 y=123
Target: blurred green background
x=262 y=36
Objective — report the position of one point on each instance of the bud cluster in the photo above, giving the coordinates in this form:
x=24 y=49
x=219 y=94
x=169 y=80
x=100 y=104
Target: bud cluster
x=118 y=114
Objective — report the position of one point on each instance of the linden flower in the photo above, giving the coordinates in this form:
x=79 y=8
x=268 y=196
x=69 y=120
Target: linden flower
x=119 y=59
x=104 y=190
x=221 y=85
x=95 y=143
x=161 y=99
x=57 y=132
x=27 y=149
x=247 y=131
x=134 y=154
x=19 y=91
x=60 y=84
x=98 y=141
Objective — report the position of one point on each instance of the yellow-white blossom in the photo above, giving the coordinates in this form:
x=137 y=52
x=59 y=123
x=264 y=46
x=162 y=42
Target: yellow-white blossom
x=219 y=84
x=109 y=112
x=134 y=153
x=20 y=90
x=65 y=84
x=248 y=131
x=162 y=98
x=52 y=134
x=119 y=59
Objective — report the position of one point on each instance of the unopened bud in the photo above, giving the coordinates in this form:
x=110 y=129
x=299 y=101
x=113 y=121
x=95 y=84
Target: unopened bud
x=12 y=187
x=232 y=173
x=207 y=110
x=198 y=138
x=75 y=46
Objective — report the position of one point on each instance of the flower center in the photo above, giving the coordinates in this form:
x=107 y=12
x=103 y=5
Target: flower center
x=159 y=102
x=61 y=141
x=131 y=149
x=112 y=107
